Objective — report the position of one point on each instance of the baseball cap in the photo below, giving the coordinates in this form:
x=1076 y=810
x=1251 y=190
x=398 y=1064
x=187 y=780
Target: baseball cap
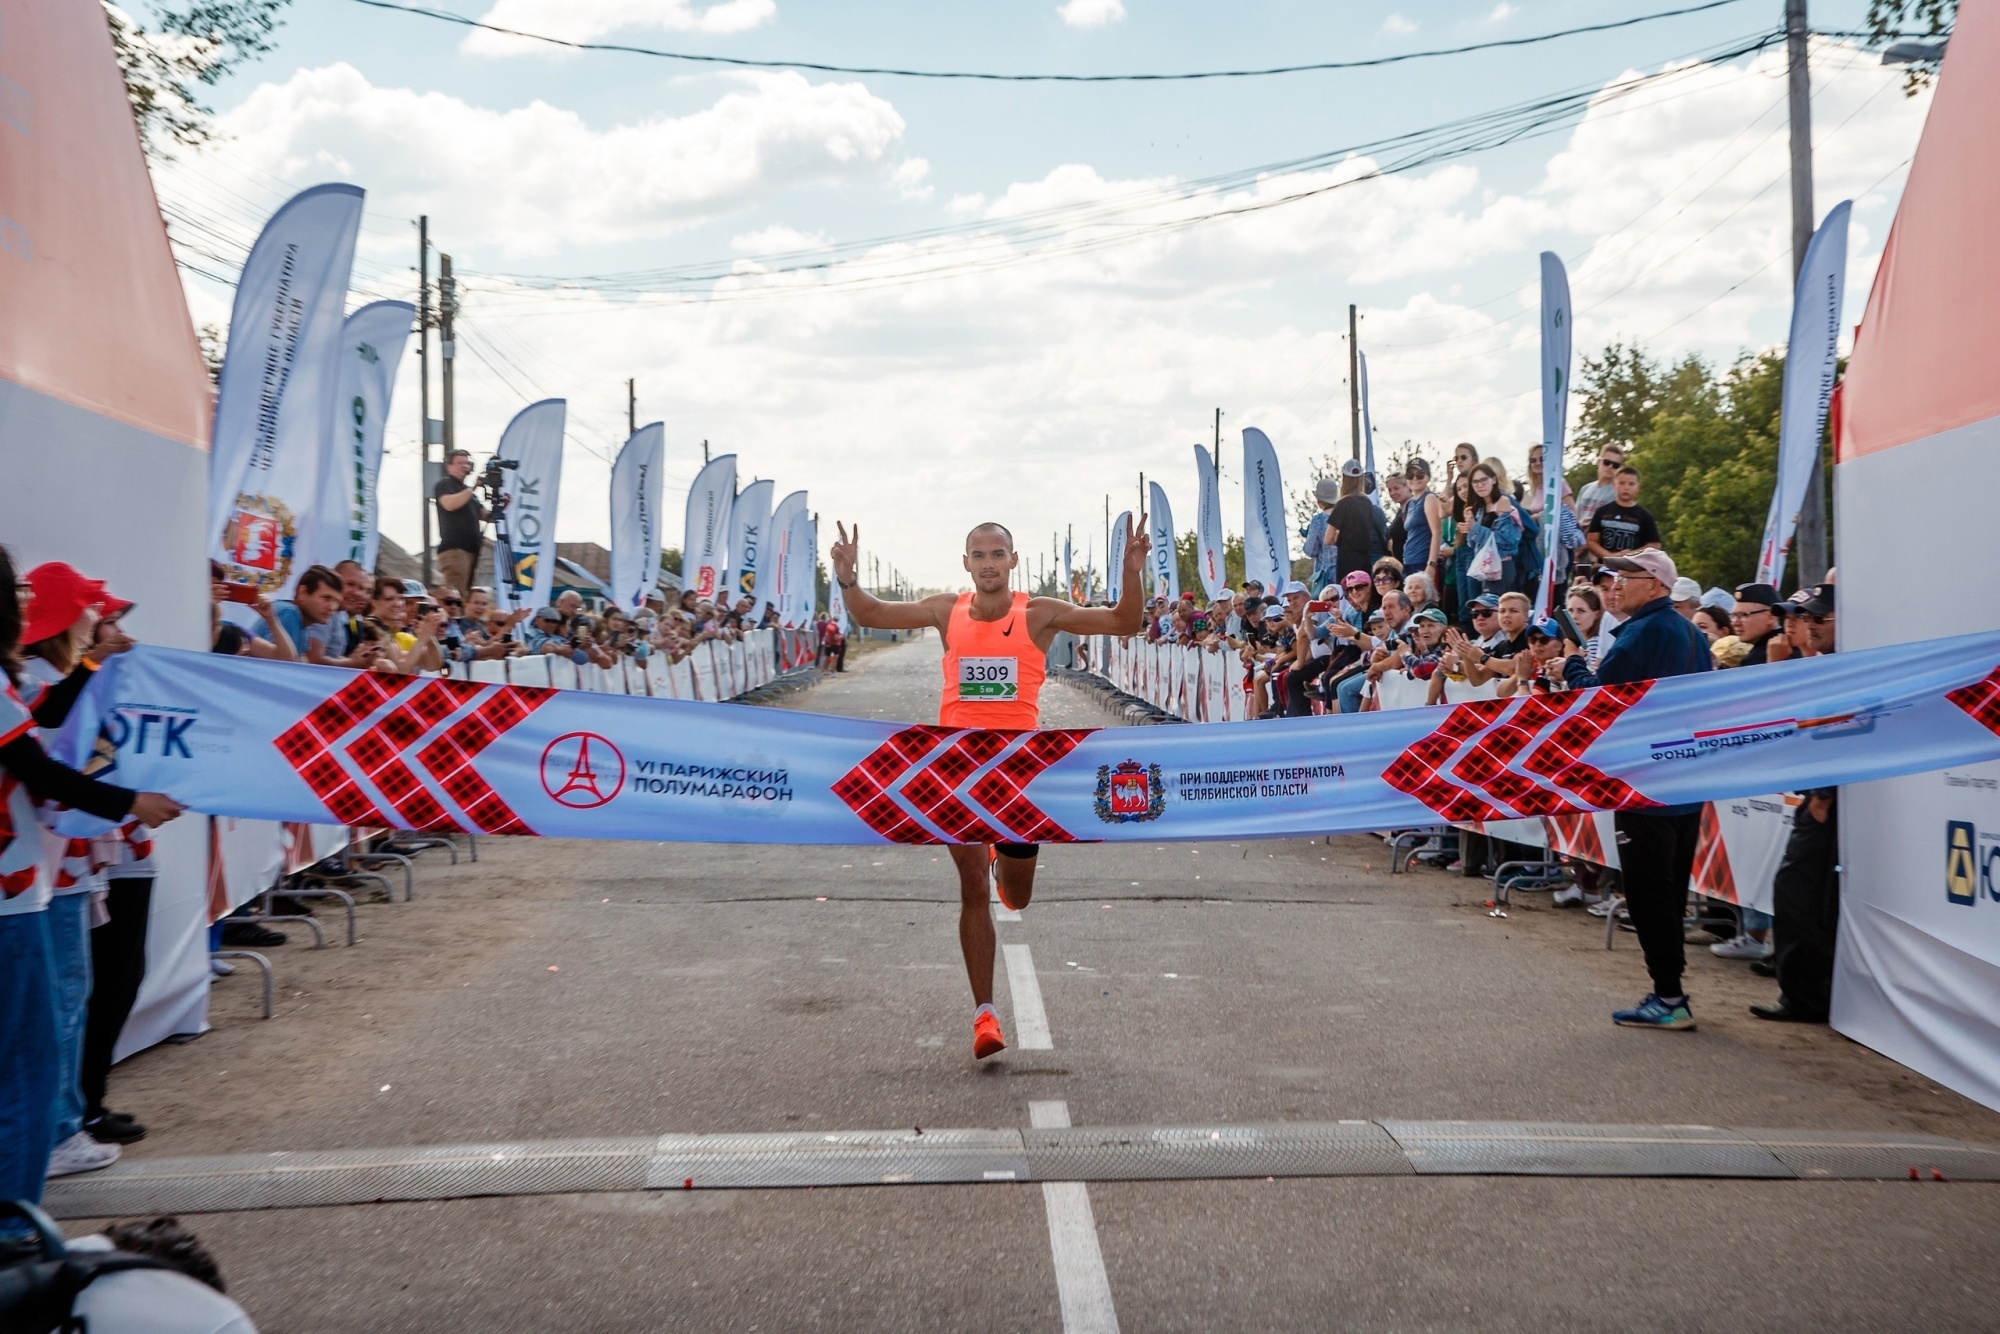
x=1546 y=627
x=1433 y=614
x=1351 y=468
x=1187 y=597
x=1686 y=590
x=1357 y=579
x=548 y=614
x=1602 y=572
x=1762 y=595
x=1294 y=586
x=60 y=595
x=1485 y=600
x=1817 y=603
x=1719 y=599
x=1417 y=466
x=1274 y=612
x=1652 y=561
x=1326 y=490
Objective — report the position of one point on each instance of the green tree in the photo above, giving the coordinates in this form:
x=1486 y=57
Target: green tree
x=1934 y=18
x=189 y=44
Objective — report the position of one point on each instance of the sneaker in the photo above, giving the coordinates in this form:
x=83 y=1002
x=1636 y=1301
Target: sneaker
x=1764 y=967
x=80 y=1153
x=221 y=967
x=1744 y=946
x=986 y=1036
x=1605 y=907
x=1568 y=898
x=114 y=1128
x=1653 y=1012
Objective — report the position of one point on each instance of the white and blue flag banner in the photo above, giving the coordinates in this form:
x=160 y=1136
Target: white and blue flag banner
x=785 y=534
x=1367 y=421
x=1267 y=555
x=749 y=520
x=1811 y=361
x=371 y=346
x=638 y=490
x=524 y=546
x=705 y=548
x=323 y=745
x=1163 y=566
x=274 y=407
x=1555 y=415
x=1208 y=524
x=1114 y=565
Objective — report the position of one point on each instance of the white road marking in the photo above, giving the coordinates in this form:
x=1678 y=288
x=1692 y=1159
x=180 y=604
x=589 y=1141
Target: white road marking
x=1081 y=1284
x=1005 y=914
x=1031 y=1021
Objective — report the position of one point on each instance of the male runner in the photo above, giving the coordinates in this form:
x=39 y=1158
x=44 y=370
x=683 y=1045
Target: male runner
x=996 y=644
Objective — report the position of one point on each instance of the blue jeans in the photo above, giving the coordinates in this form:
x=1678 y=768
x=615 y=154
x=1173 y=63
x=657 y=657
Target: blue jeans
x=1756 y=921
x=1349 y=692
x=69 y=967
x=28 y=1062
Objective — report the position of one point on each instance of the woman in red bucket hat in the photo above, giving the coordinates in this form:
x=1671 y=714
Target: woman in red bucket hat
x=36 y=1070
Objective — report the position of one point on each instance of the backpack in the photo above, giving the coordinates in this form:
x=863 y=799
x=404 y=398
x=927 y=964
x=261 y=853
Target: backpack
x=37 y=1296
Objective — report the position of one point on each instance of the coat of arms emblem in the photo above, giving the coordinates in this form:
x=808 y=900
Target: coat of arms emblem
x=1130 y=792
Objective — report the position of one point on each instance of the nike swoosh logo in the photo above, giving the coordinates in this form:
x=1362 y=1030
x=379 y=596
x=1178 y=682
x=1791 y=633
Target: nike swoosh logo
x=1008 y=631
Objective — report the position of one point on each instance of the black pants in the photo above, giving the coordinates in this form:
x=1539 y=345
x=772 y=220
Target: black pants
x=117 y=966
x=1805 y=911
x=1297 y=703
x=1656 y=862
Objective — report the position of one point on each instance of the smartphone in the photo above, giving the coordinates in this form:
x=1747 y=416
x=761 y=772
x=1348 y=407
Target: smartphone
x=1570 y=632
x=244 y=593
x=1319 y=606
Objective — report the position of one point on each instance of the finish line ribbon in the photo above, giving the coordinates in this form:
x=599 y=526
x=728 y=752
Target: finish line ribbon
x=323 y=745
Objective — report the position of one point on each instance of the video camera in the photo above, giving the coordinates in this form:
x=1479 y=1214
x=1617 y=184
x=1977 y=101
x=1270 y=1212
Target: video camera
x=493 y=482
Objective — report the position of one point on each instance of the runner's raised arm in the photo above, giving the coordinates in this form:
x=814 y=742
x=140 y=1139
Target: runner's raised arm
x=870 y=611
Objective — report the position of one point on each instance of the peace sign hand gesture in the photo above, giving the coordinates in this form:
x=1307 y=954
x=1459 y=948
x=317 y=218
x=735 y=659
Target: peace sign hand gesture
x=842 y=554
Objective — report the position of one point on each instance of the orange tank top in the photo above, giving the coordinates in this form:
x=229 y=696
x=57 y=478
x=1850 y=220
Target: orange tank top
x=993 y=672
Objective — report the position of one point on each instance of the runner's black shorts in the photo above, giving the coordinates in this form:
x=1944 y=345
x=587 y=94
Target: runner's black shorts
x=1022 y=852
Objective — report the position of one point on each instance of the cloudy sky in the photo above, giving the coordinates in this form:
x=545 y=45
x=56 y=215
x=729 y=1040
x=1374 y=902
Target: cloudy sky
x=932 y=303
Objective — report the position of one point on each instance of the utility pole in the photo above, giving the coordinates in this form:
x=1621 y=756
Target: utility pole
x=1812 y=554
x=631 y=407
x=448 y=349
x=704 y=453
x=424 y=386
x=1354 y=382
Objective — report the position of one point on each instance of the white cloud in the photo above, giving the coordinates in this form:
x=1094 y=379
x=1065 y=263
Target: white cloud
x=909 y=179
x=1502 y=12
x=588 y=20
x=1091 y=13
x=777 y=240
x=1395 y=25
x=536 y=179
x=1030 y=390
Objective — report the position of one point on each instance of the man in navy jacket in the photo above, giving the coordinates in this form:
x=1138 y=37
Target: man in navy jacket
x=1655 y=846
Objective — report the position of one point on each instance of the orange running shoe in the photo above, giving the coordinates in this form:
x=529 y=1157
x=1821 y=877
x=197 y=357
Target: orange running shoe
x=986 y=1036
x=1000 y=890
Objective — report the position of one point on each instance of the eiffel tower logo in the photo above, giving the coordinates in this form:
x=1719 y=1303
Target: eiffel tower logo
x=583 y=786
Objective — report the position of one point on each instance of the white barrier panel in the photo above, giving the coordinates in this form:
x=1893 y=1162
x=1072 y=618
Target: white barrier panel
x=490 y=670
x=1742 y=842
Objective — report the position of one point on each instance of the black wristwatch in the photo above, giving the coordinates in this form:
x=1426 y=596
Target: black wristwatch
x=848 y=583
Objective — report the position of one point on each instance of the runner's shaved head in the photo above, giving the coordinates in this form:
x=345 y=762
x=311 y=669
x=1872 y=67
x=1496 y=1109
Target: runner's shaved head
x=999 y=528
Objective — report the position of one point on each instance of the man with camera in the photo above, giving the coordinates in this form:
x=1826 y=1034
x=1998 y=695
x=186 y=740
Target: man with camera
x=459 y=517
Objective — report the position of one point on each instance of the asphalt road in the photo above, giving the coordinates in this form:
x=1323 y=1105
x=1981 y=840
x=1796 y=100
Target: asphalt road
x=562 y=989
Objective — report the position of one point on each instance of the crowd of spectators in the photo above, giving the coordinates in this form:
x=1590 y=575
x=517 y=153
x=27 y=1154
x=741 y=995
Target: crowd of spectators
x=1435 y=596
x=344 y=616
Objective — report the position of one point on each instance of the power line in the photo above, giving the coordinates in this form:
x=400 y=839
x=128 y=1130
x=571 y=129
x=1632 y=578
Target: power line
x=989 y=77
x=1451 y=139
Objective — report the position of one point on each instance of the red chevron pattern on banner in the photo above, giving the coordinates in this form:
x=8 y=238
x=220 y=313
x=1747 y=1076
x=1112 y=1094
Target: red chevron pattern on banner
x=1981 y=699
x=1486 y=766
x=935 y=790
x=312 y=746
